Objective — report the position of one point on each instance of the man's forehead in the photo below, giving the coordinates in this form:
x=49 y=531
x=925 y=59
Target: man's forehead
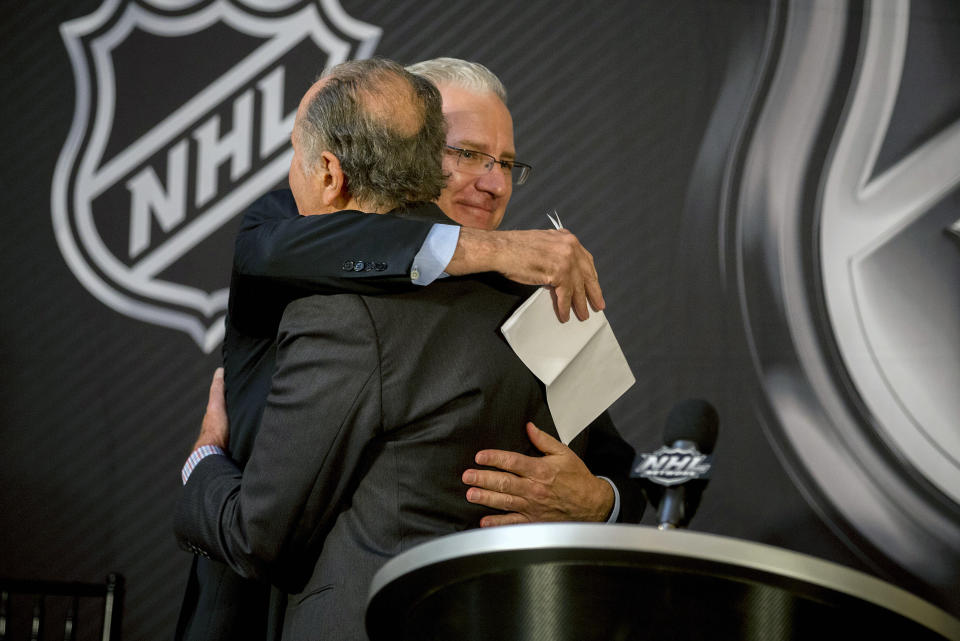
x=308 y=96
x=481 y=125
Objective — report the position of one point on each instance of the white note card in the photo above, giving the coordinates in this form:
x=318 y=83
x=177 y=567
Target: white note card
x=580 y=362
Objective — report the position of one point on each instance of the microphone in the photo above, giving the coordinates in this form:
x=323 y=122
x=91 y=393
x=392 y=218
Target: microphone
x=682 y=465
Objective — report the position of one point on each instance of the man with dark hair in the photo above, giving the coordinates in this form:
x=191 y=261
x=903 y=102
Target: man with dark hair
x=378 y=403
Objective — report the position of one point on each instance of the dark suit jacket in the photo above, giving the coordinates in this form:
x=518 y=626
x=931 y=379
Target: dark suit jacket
x=279 y=256
x=378 y=404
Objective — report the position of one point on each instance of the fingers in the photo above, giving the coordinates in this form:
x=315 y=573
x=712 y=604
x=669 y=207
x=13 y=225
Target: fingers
x=591 y=283
x=587 y=286
x=504 y=492
x=214 y=430
x=575 y=281
x=216 y=397
x=580 y=302
x=513 y=462
x=495 y=500
x=494 y=482
x=595 y=295
x=553 y=487
x=529 y=467
x=561 y=303
x=544 y=442
x=503 y=519
x=552 y=258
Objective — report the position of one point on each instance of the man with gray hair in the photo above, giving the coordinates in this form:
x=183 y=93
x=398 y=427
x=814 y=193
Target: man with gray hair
x=355 y=119
x=556 y=484
x=226 y=607
x=376 y=127
x=380 y=128
x=281 y=255
x=377 y=404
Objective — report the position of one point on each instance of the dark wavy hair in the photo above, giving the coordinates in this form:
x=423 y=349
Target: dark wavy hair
x=386 y=127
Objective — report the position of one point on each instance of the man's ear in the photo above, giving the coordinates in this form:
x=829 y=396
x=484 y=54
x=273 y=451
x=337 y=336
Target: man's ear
x=333 y=183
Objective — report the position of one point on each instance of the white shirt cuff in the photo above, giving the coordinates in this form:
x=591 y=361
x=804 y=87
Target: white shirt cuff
x=434 y=254
x=615 y=512
x=198 y=455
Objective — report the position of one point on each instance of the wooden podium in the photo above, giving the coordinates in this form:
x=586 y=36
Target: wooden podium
x=584 y=582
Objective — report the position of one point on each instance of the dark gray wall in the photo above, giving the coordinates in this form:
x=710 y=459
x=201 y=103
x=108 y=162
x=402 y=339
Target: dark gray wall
x=690 y=145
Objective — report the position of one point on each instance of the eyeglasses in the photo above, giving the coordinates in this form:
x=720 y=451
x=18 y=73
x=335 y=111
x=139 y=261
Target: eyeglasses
x=479 y=163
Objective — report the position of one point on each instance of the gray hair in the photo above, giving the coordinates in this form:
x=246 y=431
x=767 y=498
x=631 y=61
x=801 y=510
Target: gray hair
x=460 y=73
x=391 y=156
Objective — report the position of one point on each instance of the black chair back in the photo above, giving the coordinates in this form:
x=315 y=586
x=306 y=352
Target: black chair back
x=68 y=610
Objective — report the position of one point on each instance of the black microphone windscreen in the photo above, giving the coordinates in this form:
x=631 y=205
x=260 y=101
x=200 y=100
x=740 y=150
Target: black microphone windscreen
x=692 y=420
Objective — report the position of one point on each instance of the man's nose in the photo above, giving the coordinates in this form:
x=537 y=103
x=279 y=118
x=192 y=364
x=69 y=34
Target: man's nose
x=495 y=182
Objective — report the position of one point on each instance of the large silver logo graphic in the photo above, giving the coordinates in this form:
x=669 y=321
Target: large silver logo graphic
x=851 y=288
x=891 y=292
x=183 y=115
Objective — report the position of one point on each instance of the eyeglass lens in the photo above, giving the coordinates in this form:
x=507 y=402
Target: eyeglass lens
x=480 y=163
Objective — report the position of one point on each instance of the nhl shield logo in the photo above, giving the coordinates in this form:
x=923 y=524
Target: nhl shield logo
x=183 y=115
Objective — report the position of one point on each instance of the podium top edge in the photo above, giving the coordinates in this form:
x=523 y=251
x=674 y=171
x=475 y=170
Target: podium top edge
x=672 y=543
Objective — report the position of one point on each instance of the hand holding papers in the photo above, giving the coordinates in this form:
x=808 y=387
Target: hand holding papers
x=580 y=362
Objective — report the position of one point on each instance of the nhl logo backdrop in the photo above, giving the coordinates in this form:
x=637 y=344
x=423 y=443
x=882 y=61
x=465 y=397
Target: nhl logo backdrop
x=183 y=116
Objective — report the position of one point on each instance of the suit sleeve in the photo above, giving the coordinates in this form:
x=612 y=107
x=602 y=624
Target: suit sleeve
x=342 y=252
x=323 y=409
x=608 y=454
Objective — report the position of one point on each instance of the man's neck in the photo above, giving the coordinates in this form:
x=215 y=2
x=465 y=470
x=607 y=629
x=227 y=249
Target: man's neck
x=350 y=205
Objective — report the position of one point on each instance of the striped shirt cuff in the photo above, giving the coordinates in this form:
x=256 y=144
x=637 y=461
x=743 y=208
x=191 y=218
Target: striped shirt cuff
x=198 y=455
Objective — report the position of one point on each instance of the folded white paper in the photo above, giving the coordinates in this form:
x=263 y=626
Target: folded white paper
x=580 y=362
